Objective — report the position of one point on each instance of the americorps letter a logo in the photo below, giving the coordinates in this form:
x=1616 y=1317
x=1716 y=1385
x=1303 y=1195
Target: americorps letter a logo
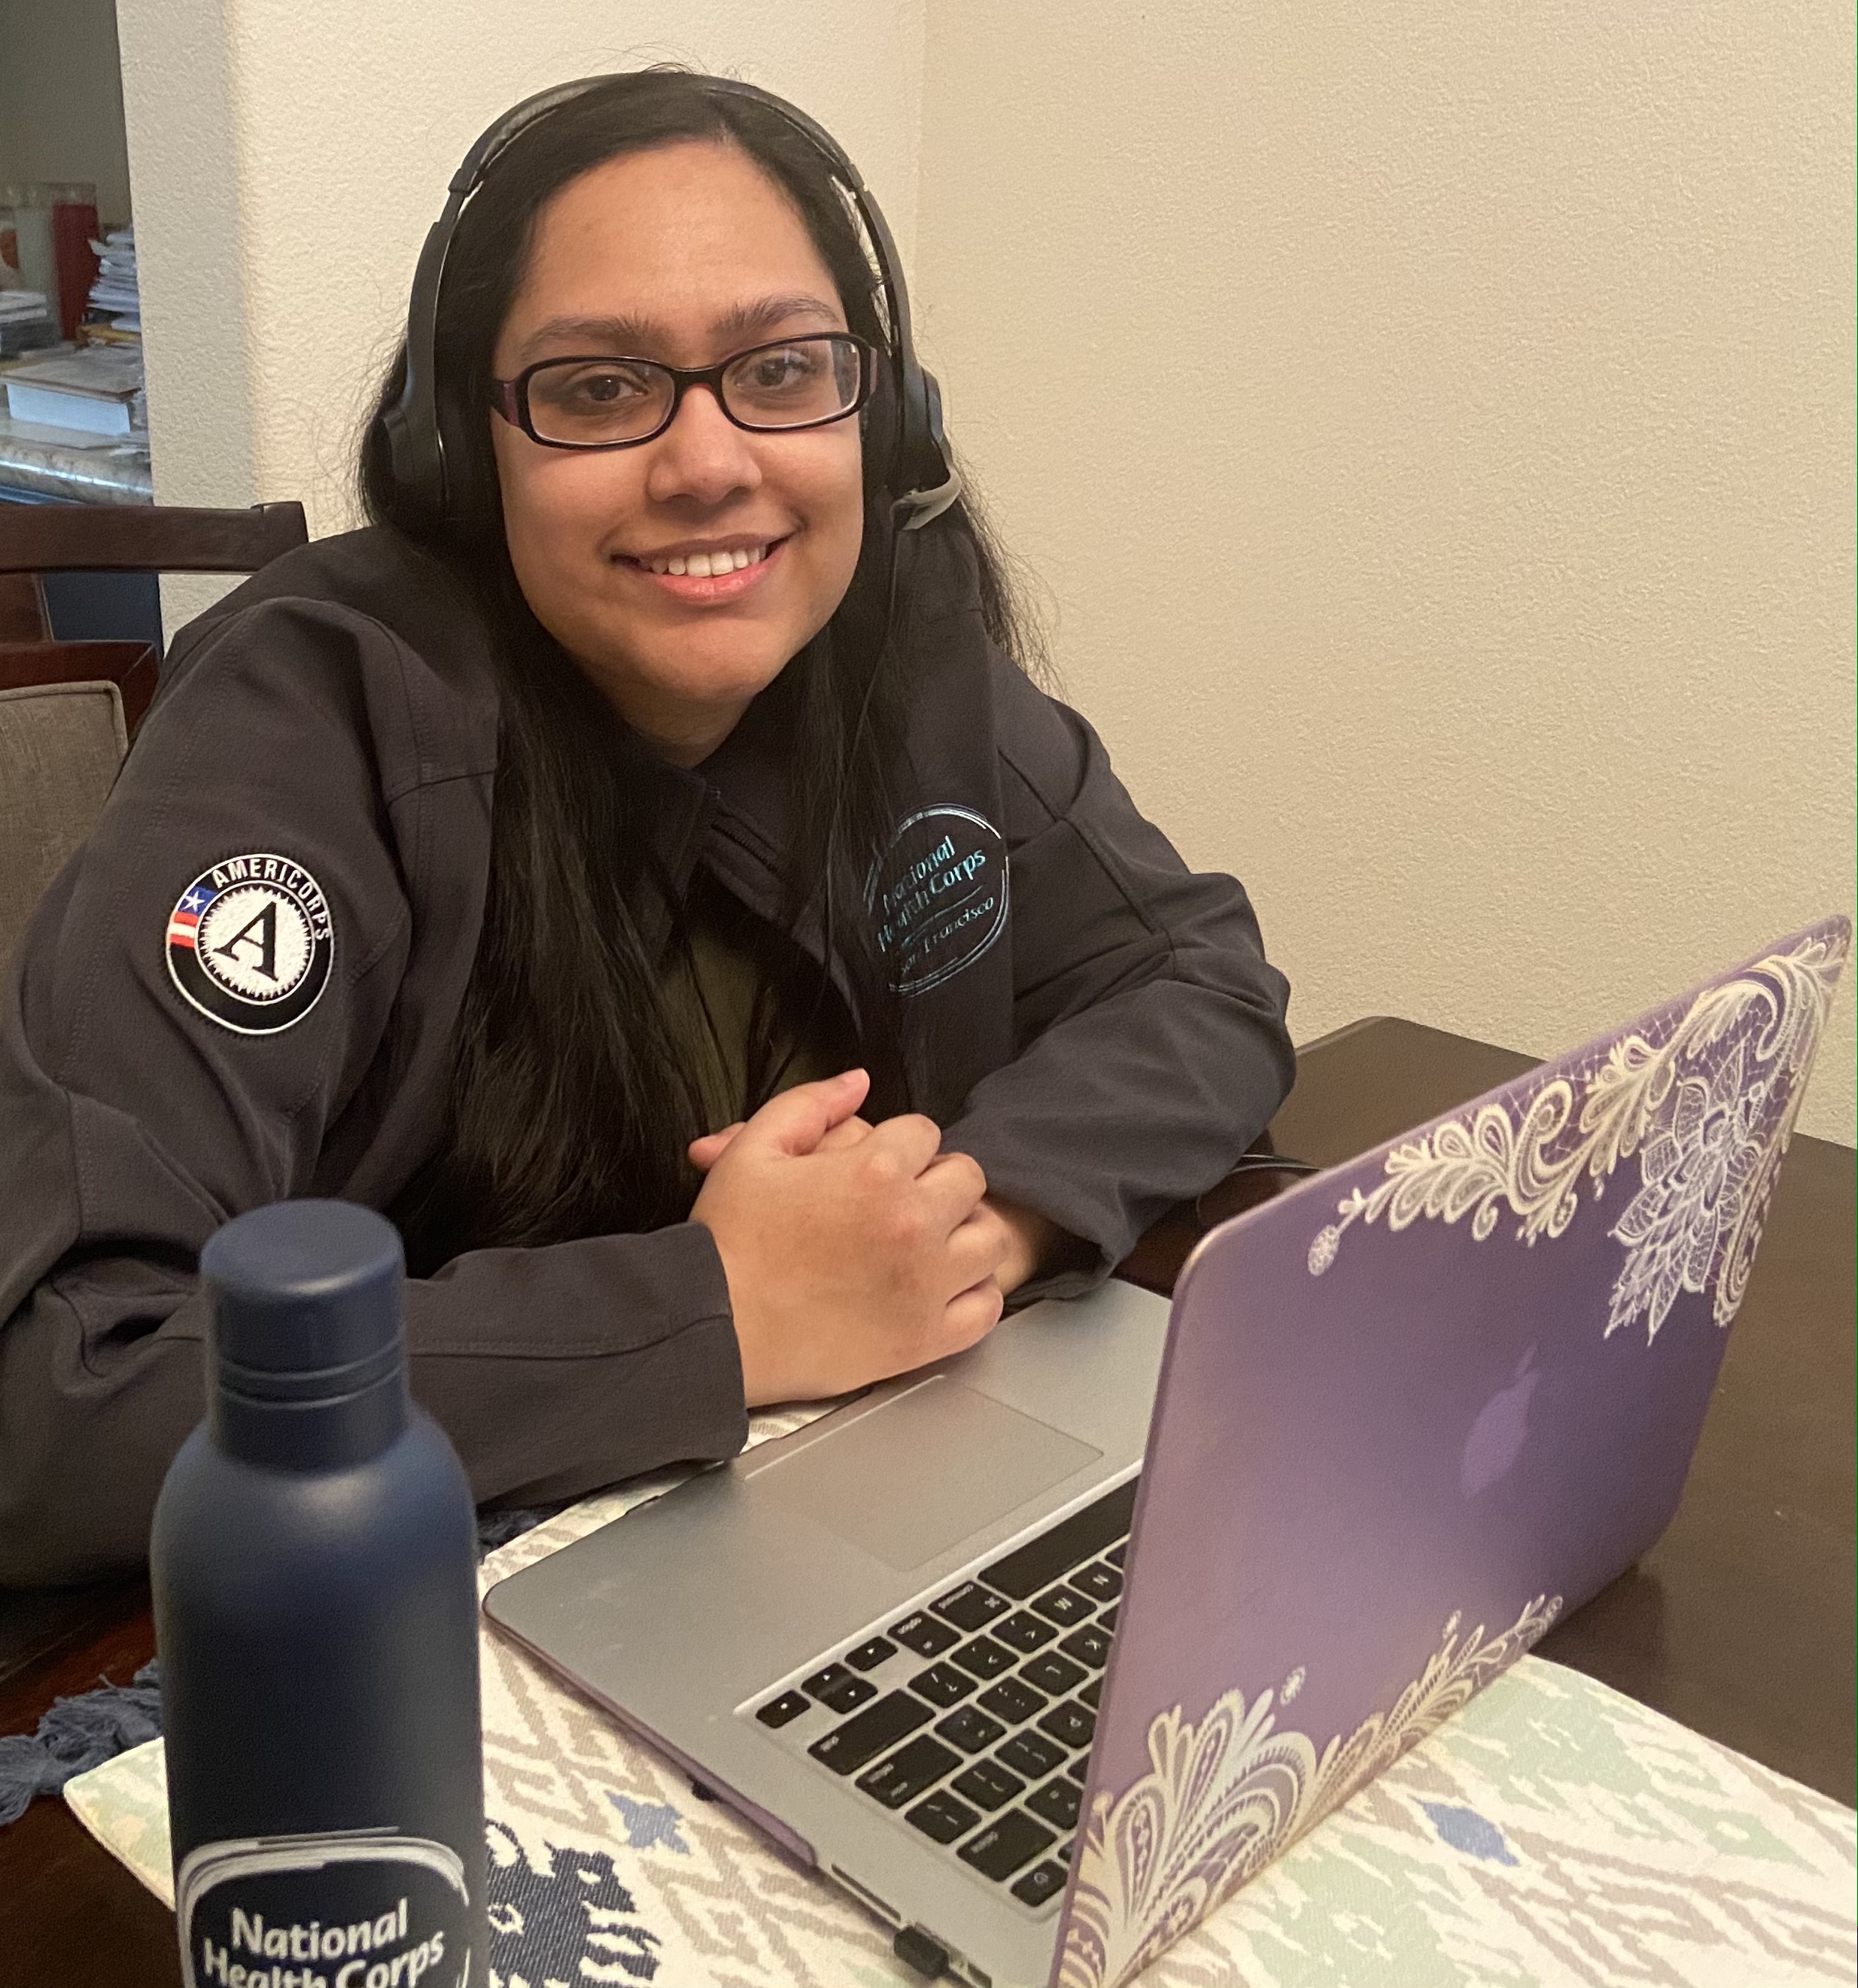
x=250 y=943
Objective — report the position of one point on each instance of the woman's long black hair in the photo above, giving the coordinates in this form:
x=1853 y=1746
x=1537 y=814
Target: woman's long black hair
x=573 y=1100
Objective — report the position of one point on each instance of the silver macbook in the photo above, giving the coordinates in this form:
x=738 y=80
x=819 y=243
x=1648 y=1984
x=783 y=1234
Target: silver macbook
x=950 y=1643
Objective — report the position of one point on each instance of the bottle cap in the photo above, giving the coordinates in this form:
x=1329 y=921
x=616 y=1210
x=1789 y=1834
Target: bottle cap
x=305 y=1301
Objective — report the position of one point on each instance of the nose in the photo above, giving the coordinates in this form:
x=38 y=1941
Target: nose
x=702 y=457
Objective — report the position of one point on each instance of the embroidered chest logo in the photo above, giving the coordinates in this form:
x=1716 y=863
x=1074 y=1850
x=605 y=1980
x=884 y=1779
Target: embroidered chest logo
x=250 y=944
x=938 y=898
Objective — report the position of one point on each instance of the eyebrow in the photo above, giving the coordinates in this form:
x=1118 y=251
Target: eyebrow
x=635 y=337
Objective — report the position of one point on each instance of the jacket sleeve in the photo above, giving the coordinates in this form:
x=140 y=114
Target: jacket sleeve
x=132 y=1123
x=1150 y=1046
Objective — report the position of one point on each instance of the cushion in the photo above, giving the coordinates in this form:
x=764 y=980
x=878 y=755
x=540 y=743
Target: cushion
x=60 y=746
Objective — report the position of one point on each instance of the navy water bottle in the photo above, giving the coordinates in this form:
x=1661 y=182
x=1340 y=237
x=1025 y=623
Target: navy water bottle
x=314 y=1565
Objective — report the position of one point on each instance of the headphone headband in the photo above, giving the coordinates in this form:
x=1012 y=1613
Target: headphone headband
x=415 y=439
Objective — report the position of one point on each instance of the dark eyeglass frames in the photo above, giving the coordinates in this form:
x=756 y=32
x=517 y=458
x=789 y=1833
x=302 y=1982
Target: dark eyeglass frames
x=607 y=402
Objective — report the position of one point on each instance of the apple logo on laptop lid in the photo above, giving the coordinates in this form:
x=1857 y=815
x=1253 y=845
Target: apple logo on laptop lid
x=1500 y=1432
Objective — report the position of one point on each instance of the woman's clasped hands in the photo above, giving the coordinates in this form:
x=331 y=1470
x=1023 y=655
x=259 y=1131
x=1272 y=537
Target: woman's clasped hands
x=853 y=1251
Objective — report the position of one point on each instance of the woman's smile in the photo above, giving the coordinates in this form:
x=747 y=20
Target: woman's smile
x=702 y=573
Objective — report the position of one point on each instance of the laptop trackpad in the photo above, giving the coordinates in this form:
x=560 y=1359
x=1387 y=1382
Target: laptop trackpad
x=916 y=1476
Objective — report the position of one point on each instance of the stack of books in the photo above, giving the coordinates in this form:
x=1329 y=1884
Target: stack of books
x=25 y=323
x=93 y=393
x=115 y=313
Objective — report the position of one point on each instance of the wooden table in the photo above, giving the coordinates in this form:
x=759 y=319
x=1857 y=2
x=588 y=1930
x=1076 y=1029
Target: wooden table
x=1739 y=1622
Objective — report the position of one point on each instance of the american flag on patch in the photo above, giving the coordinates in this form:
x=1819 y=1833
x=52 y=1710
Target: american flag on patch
x=184 y=920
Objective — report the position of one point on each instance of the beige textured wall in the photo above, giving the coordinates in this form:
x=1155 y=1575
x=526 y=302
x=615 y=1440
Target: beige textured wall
x=1433 y=429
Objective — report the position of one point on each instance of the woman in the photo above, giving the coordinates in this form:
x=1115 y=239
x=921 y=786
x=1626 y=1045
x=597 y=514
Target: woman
x=602 y=866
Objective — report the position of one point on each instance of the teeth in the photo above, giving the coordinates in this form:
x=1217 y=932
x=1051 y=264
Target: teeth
x=706 y=566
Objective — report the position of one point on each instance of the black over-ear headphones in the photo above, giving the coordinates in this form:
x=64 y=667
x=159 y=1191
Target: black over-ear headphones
x=928 y=481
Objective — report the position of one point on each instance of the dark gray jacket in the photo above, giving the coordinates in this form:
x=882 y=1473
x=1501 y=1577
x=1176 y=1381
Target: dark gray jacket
x=188 y=1033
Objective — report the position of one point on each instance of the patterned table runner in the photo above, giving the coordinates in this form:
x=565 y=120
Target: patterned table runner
x=1553 y=1834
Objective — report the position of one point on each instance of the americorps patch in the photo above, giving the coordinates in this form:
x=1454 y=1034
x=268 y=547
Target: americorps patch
x=250 y=943
x=938 y=899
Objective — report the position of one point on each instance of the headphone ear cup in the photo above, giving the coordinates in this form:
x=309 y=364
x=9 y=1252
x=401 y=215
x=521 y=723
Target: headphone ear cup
x=453 y=462
x=411 y=457
x=912 y=424
x=882 y=423
x=927 y=481
x=930 y=465
x=429 y=452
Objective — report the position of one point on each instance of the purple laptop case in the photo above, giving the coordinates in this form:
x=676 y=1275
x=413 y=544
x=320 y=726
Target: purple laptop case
x=1410 y=1412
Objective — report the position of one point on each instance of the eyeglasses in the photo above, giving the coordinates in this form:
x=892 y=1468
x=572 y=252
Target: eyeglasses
x=613 y=403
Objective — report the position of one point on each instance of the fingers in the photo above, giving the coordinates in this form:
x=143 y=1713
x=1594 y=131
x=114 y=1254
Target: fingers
x=970 y=1317
x=852 y=1131
x=704 y=1152
x=980 y=1248
x=796 y=1121
x=909 y=1142
x=1033 y=1239
x=952 y=1187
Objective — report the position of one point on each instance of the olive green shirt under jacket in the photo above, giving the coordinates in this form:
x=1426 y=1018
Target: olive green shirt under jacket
x=712 y=996
x=247 y=987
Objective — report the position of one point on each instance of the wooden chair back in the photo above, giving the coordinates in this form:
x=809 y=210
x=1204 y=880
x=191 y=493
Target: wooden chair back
x=38 y=538
x=145 y=538
x=23 y=608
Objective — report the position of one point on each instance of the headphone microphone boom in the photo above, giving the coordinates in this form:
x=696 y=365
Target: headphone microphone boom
x=415 y=441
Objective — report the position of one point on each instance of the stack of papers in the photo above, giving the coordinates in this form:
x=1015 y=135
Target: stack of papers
x=115 y=294
x=97 y=391
x=25 y=323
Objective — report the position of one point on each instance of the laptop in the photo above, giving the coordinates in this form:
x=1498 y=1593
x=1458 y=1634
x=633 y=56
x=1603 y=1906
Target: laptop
x=1042 y=1652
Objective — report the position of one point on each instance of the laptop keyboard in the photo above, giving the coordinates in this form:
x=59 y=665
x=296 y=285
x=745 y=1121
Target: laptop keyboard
x=974 y=1714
